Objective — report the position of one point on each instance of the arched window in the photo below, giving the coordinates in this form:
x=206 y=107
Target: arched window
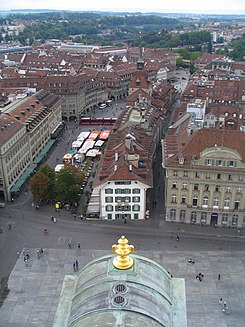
x=195 y=200
x=173 y=214
x=237 y=204
x=193 y=216
x=183 y=199
x=205 y=201
x=174 y=198
x=216 y=202
x=182 y=215
x=227 y=203
x=204 y=217
x=234 y=219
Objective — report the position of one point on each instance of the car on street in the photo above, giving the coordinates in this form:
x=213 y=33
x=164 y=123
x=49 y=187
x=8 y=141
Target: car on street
x=102 y=106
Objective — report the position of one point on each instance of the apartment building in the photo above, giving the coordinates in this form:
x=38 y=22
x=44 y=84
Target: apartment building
x=26 y=128
x=125 y=172
x=205 y=176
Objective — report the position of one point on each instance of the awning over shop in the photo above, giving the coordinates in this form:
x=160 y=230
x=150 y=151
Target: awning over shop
x=27 y=173
x=44 y=151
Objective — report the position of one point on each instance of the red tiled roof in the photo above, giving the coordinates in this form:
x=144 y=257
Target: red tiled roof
x=207 y=138
x=9 y=126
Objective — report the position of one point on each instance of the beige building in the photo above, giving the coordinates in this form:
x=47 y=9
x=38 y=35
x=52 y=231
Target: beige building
x=26 y=127
x=205 y=177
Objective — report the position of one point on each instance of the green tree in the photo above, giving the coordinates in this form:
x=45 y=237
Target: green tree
x=50 y=173
x=40 y=187
x=238 y=52
x=67 y=184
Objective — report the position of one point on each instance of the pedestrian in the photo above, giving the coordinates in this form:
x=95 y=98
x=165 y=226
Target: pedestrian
x=26 y=262
x=41 y=251
x=224 y=305
x=78 y=245
x=221 y=300
x=77 y=265
x=219 y=276
x=177 y=238
x=52 y=218
x=74 y=266
x=18 y=254
x=69 y=244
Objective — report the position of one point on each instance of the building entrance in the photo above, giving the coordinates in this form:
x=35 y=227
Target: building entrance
x=214 y=219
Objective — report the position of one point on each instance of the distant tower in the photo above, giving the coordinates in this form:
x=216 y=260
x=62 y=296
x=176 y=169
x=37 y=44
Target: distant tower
x=140 y=62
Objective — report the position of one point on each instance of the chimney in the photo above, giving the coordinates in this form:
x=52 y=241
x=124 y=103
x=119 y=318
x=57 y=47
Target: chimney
x=130 y=167
x=116 y=156
x=115 y=167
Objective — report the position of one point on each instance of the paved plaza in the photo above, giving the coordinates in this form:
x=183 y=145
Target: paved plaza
x=35 y=288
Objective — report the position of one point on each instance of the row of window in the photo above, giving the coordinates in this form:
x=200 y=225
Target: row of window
x=203 y=217
x=110 y=199
x=208 y=175
x=123 y=216
x=220 y=163
x=122 y=191
x=134 y=207
x=207 y=187
x=205 y=201
x=12 y=141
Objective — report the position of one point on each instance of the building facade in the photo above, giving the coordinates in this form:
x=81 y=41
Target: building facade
x=205 y=181
x=26 y=129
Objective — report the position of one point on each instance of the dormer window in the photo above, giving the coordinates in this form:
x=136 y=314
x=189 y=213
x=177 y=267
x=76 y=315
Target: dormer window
x=181 y=160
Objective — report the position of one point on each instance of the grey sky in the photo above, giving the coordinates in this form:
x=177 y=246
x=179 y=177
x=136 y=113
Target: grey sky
x=193 y=6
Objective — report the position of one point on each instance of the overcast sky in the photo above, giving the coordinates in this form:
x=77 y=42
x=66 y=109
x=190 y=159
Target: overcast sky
x=189 y=6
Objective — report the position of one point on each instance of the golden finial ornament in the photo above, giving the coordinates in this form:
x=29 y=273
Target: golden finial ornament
x=123 y=261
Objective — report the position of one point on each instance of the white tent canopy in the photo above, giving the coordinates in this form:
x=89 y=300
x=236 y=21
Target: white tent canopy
x=93 y=153
x=99 y=143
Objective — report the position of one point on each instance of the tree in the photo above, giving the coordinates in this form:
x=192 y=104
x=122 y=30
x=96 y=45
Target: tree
x=67 y=184
x=238 y=49
x=50 y=173
x=40 y=187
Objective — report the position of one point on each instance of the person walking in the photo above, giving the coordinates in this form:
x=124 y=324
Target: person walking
x=219 y=276
x=221 y=300
x=177 y=238
x=78 y=245
x=76 y=265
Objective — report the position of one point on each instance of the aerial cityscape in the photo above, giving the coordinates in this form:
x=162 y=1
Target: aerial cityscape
x=122 y=164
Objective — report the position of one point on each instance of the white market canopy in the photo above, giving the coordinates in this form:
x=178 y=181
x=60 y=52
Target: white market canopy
x=58 y=167
x=93 y=153
x=82 y=136
x=99 y=143
x=86 y=146
x=77 y=144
